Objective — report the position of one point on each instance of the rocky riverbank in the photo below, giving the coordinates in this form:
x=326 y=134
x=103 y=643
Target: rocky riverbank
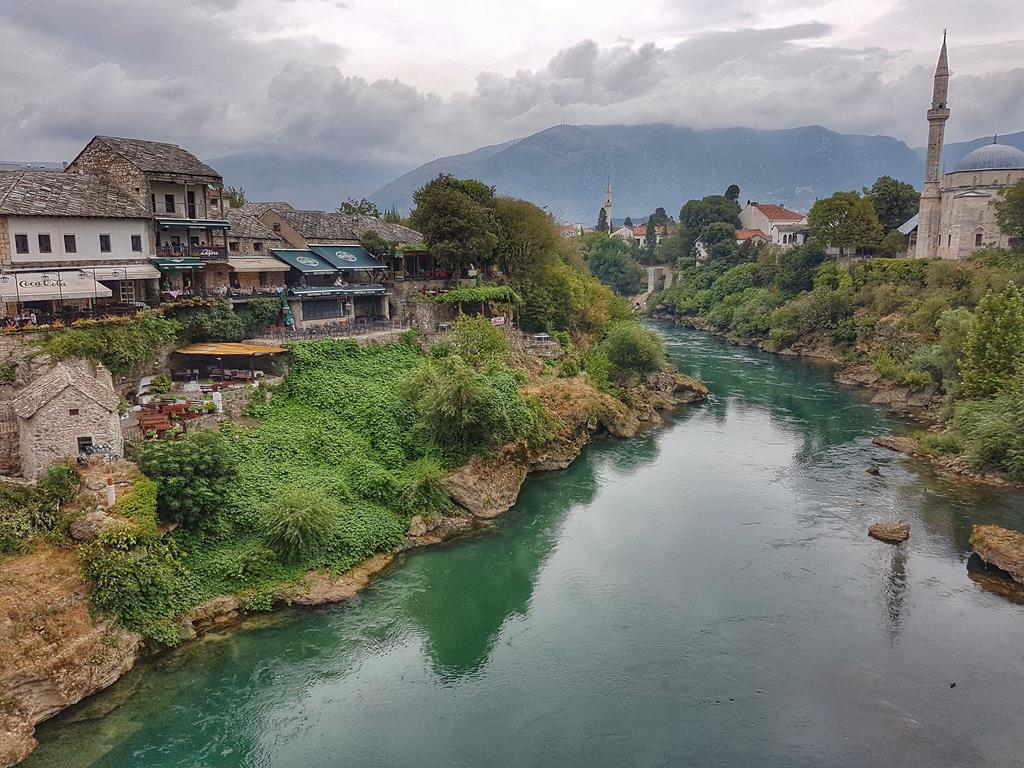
x=54 y=651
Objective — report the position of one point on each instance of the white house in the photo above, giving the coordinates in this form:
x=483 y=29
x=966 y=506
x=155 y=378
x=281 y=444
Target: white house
x=782 y=226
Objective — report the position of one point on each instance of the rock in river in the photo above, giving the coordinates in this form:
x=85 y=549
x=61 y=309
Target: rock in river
x=893 y=533
x=1000 y=547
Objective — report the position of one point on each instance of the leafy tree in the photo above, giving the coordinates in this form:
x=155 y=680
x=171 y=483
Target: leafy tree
x=457 y=219
x=670 y=251
x=697 y=214
x=611 y=261
x=360 y=207
x=526 y=236
x=298 y=524
x=377 y=246
x=994 y=351
x=651 y=236
x=1010 y=211
x=603 y=224
x=797 y=267
x=631 y=348
x=895 y=201
x=845 y=220
x=192 y=477
x=477 y=341
x=894 y=243
x=627 y=223
x=732 y=192
x=235 y=196
x=661 y=218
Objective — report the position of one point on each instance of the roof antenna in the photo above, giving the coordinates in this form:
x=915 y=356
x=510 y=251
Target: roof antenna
x=995 y=138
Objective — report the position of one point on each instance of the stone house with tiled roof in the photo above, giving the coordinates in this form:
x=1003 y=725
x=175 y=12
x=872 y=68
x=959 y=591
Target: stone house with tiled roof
x=251 y=267
x=782 y=226
x=303 y=228
x=185 y=198
x=67 y=412
x=71 y=242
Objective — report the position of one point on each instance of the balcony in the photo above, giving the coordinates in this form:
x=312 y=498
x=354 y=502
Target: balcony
x=204 y=252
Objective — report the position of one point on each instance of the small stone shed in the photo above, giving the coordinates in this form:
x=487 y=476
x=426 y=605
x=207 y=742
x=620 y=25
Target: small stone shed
x=67 y=411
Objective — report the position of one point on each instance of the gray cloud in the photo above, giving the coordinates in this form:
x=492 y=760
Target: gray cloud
x=188 y=72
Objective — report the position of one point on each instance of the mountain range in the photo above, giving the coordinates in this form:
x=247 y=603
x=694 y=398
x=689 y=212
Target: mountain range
x=566 y=168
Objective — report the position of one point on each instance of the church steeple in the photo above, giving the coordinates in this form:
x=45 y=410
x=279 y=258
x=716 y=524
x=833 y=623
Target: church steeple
x=931 y=195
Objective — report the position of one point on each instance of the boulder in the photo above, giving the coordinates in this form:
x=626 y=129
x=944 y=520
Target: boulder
x=488 y=486
x=893 y=443
x=1000 y=547
x=90 y=524
x=892 y=533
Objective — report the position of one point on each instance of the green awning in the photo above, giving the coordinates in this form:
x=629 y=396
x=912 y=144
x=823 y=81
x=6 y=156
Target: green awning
x=338 y=290
x=179 y=263
x=304 y=261
x=347 y=257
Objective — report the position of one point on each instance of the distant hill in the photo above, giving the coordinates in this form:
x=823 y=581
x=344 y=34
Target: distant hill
x=566 y=167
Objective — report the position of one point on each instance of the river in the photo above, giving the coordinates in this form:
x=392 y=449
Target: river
x=703 y=595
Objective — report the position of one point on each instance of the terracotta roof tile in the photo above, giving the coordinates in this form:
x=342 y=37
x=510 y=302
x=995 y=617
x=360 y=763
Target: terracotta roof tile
x=747 y=234
x=777 y=212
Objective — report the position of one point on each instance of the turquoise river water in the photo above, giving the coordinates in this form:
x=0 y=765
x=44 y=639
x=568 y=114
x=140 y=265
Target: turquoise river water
x=704 y=595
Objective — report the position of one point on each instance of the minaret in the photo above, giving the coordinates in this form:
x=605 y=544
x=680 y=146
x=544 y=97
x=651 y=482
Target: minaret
x=608 y=204
x=931 y=197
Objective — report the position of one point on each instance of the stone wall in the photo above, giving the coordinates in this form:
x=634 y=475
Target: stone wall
x=5 y=243
x=102 y=159
x=50 y=435
x=10 y=450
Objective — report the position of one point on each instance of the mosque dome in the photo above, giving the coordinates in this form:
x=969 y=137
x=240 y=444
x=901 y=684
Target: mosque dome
x=992 y=157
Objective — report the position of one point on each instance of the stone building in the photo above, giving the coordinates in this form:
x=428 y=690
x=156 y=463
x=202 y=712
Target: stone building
x=250 y=269
x=185 y=198
x=779 y=225
x=956 y=216
x=71 y=245
x=67 y=412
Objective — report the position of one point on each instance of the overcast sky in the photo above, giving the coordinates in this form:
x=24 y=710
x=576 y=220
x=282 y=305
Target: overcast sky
x=414 y=79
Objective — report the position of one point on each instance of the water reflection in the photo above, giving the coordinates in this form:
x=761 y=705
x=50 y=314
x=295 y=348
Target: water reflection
x=894 y=589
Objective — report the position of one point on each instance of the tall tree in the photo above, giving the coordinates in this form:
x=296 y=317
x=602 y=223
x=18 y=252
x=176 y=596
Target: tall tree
x=602 y=221
x=733 y=192
x=661 y=218
x=651 y=236
x=360 y=207
x=627 y=223
x=895 y=201
x=1010 y=211
x=994 y=352
x=392 y=216
x=526 y=237
x=235 y=196
x=845 y=220
x=697 y=214
x=457 y=219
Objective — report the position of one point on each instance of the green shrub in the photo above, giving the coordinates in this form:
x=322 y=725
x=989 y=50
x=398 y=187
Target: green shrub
x=297 y=524
x=940 y=443
x=8 y=370
x=121 y=347
x=598 y=368
x=160 y=384
x=27 y=511
x=467 y=410
x=192 y=476
x=478 y=341
x=633 y=349
x=994 y=348
x=992 y=430
x=137 y=578
x=140 y=505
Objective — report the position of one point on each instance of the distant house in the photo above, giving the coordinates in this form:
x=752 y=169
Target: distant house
x=624 y=233
x=67 y=412
x=781 y=226
x=752 y=235
x=70 y=243
x=640 y=234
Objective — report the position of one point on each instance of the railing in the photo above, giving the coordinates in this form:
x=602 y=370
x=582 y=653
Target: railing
x=231 y=294
x=207 y=252
x=341 y=329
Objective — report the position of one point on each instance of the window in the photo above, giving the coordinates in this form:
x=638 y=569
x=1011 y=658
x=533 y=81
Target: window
x=104 y=243
x=321 y=309
x=257 y=246
x=72 y=411
x=233 y=245
x=949 y=240
x=190 y=203
x=137 y=243
x=85 y=445
x=70 y=246
x=44 y=244
x=152 y=199
x=277 y=227
x=21 y=243
x=126 y=292
x=977 y=238
x=169 y=203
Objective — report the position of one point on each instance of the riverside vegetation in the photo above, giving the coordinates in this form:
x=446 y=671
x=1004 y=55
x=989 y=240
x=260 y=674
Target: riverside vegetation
x=954 y=330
